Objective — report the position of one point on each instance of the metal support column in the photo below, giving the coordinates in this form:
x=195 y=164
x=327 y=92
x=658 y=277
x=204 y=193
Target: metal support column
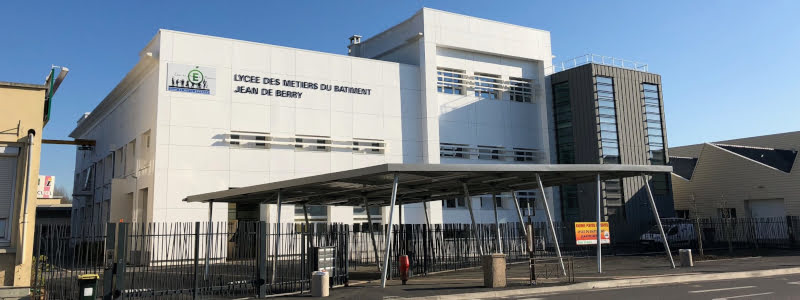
x=425 y=209
x=658 y=219
x=496 y=224
x=372 y=234
x=208 y=238
x=475 y=235
x=388 y=245
x=521 y=220
x=277 y=241
x=308 y=224
x=598 y=231
x=550 y=223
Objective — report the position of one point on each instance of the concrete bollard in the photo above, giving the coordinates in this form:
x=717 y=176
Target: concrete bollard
x=494 y=270
x=686 y=257
x=320 y=284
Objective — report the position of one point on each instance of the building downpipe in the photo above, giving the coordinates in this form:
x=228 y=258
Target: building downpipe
x=31 y=134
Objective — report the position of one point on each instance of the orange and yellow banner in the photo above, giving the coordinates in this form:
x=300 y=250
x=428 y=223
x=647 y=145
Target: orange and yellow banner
x=586 y=233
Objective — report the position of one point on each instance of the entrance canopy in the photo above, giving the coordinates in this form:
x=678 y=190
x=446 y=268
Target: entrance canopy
x=420 y=183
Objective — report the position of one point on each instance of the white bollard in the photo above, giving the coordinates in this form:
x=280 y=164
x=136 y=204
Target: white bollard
x=320 y=284
x=686 y=257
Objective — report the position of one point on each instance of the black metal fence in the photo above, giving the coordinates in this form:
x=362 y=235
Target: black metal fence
x=238 y=259
x=180 y=260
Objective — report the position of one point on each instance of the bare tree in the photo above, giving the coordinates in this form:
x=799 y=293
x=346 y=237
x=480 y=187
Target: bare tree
x=60 y=191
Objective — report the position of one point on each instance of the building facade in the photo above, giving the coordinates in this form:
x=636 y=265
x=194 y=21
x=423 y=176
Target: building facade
x=24 y=112
x=200 y=114
x=753 y=177
x=610 y=115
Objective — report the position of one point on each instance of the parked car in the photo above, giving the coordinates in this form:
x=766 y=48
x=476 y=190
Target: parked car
x=679 y=232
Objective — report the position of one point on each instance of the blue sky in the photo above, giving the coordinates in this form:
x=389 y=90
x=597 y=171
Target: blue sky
x=728 y=67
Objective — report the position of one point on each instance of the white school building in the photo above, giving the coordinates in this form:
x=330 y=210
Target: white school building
x=201 y=113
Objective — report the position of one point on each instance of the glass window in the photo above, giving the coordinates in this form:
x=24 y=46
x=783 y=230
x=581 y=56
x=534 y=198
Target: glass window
x=487 y=86
x=520 y=89
x=450 y=81
x=563 y=124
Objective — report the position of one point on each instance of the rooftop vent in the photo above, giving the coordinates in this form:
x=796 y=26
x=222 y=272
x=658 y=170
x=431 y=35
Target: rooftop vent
x=354 y=40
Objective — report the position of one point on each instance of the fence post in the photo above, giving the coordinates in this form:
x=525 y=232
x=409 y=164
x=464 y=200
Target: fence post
x=195 y=286
x=122 y=237
x=790 y=230
x=108 y=260
x=425 y=237
x=261 y=260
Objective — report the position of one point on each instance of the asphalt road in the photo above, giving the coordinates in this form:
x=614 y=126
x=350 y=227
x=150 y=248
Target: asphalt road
x=779 y=287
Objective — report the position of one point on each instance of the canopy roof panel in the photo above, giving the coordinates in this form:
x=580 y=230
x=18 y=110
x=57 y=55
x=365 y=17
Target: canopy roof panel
x=420 y=183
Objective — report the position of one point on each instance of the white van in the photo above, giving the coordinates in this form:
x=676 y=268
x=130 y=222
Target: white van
x=680 y=233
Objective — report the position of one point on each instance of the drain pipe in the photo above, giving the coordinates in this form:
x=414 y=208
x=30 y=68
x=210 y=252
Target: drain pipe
x=31 y=134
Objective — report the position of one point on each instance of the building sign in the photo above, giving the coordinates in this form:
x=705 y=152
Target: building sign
x=277 y=87
x=586 y=233
x=46 y=186
x=191 y=79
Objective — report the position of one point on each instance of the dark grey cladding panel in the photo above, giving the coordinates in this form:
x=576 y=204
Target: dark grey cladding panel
x=776 y=158
x=683 y=166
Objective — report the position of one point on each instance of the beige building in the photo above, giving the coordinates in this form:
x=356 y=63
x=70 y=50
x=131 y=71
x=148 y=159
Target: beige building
x=24 y=111
x=742 y=178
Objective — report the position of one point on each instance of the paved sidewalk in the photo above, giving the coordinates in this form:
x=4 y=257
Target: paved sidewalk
x=614 y=268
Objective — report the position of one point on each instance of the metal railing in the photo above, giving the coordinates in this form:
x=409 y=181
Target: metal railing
x=596 y=59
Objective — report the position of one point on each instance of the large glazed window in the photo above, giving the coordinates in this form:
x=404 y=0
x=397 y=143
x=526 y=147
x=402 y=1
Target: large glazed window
x=607 y=120
x=565 y=141
x=653 y=124
x=651 y=103
x=609 y=141
x=450 y=81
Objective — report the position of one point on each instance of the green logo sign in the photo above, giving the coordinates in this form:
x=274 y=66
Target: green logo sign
x=195 y=76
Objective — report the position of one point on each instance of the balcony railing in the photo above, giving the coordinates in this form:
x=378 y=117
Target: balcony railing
x=597 y=59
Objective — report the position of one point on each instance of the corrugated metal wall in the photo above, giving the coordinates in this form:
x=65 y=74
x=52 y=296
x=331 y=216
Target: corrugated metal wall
x=631 y=133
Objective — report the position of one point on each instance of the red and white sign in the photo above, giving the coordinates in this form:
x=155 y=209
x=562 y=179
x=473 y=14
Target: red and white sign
x=46 y=186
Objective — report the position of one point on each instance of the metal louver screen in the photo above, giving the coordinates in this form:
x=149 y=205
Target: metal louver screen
x=8 y=170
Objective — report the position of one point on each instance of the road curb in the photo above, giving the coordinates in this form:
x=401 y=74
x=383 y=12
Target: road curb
x=615 y=284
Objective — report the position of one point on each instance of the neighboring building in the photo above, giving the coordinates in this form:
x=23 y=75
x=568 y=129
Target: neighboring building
x=741 y=178
x=24 y=111
x=610 y=115
x=53 y=210
x=200 y=114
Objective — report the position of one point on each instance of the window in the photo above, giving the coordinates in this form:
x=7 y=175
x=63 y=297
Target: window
x=261 y=141
x=520 y=89
x=651 y=105
x=146 y=139
x=726 y=213
x=489 y=152
x=453 y=150
x=235 y=139
x=316 y=213
x=486 y=202
x=524 y=155
x=607 y=116
x=527 y=202
x=455 y=203
x=312 y=144
x=487 y=86
x=360 y=214
x=565 y=142
x=450 y=81
x=682 y=213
